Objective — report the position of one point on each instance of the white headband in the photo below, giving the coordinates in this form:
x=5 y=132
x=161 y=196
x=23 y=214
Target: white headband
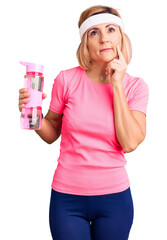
x=99 y=19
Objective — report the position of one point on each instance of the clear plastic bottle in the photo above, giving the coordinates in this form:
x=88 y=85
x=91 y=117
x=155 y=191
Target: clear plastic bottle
x=31 y=115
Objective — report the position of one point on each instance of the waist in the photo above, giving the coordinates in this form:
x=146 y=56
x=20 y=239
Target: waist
x=90 y=180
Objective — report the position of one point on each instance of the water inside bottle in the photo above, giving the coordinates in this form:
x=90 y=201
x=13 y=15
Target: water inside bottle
x=31 y=118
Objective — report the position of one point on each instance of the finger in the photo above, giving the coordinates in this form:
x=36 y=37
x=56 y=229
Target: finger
x=21 y=107
x=23 y=101
x=22 y=104
x=112 y=65
x=109 y=71
x=115 y=60
x=22 y=90
x=120 y=55
x=24 y=96
x=44 y=95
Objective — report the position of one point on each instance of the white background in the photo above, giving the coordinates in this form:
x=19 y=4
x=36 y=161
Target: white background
x=46 y=32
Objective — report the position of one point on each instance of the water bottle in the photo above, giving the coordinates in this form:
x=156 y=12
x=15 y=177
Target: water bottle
x=31 y=115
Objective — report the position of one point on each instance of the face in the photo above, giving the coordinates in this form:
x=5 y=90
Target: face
x=102 y=42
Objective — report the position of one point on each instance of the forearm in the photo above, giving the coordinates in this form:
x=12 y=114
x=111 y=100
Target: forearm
x=128 y=130
x=48 y=132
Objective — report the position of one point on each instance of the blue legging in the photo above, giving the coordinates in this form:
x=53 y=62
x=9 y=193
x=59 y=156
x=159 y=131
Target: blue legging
x=102 y=217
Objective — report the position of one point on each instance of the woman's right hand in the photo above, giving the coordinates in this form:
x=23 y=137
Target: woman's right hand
x=23 y=97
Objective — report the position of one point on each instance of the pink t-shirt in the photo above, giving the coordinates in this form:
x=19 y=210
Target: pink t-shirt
x=91 y=160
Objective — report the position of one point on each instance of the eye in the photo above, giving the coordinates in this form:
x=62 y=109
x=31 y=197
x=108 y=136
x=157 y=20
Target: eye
x=93 y=33
x=111 y=29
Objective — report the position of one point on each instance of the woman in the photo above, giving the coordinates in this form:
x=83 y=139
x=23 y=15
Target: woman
x=100 y=111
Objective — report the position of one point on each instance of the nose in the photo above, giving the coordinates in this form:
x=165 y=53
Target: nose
x=103 y=38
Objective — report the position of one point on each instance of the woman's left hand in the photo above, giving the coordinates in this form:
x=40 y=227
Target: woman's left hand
x=117 y=68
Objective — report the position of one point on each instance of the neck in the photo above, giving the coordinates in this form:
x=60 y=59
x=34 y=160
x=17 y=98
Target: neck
x=98 y=73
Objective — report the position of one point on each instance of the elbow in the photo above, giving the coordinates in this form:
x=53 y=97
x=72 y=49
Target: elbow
x=132 y=147
x=131 y=143
x=49 y=142
x=129 y=149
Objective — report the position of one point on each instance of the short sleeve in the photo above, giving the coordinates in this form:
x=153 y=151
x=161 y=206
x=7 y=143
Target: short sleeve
x=57 y=102
x=139 y=96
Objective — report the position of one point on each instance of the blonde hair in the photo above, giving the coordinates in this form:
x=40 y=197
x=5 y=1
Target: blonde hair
x=83 y=55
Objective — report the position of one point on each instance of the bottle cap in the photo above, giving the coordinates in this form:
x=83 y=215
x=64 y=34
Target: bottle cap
x=32 y=67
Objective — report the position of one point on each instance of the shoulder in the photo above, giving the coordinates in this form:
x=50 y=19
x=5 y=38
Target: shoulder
x=70 y=73
x=134 y=83
x=70 y=76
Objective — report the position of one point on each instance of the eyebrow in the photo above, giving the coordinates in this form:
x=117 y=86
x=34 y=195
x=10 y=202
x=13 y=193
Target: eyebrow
x=105 y=27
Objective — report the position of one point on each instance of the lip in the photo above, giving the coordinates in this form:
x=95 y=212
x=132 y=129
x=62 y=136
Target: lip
x=105 y=49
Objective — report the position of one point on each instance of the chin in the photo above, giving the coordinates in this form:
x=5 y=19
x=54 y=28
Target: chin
x=105 y=59
x=109 y=59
